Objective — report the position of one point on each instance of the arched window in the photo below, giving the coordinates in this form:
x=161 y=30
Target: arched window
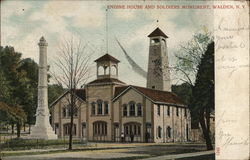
x=99 y=106
x=169 y=132
x=113 y=70
x=159 y=131
x=132 y=128
x=106 y=107
x=131 y=108
x=125 y=110
x=66 y=129
x=101 y=70
x=64 y=112
x=155 y=40
x=93 y=108
x=106 y=70
x=100 y=128
x=139 y=109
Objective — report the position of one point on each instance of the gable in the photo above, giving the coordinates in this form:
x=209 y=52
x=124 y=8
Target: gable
x=155 y=96
x=80 y=93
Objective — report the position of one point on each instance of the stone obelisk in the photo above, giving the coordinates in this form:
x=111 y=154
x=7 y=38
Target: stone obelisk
x=42 y=128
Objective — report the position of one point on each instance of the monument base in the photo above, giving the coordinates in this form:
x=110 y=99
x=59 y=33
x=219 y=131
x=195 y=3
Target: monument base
x=38 y=132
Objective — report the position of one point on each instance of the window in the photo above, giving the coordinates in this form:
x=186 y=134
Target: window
x=177 y=111
x=139 y=110
x=125 y=110
x=126 y=130
x=93 y=108
x=75 y=112
x=132 y=128
x=168 y=132
x=153 y=87
x=64 y=112
x=159 y=131
x=106 y=108
x=168 y=111
x=158 y=110
x=99 y=107
x=100 y=128
x=156 y=40
x=185 y=112
x=131 y=109
x=66 y=129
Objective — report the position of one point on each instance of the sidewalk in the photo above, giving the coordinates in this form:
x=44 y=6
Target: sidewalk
x=184 y=155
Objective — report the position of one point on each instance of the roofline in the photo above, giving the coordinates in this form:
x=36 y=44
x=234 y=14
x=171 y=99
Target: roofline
x=155 y=102
x=54 y=102
x=114 y=99
x=103 y=83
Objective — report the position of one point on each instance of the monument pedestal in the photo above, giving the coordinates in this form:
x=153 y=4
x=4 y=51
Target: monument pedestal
x=42 y=129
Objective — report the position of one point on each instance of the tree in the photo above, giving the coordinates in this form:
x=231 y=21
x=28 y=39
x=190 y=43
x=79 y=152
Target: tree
x=203 y=93
x=9 y=62
x=15 y=113
x=189 y=60
x=30 y=67
x=72 y=72
x=189 y=56
x=184 y=91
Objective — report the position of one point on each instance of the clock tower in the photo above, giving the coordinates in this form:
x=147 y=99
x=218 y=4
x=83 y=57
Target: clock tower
x=158 y=68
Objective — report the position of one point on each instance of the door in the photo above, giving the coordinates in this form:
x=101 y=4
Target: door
x=116 y=133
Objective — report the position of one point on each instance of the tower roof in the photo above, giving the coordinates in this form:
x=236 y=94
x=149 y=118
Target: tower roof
x=107 y=57
x=157 y=32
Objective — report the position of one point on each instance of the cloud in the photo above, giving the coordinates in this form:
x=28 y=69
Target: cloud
x=124 y=14
x=83 y=14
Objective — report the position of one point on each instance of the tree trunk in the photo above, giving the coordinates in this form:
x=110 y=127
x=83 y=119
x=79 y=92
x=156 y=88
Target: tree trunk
x=71 y=121
x=29 y=128
x=18 y=128
x=205 y=130
x=12 y=128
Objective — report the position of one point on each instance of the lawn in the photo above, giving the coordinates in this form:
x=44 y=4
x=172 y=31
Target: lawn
x=25 y=144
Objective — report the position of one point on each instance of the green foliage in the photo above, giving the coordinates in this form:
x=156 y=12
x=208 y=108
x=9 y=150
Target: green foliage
x=54 y=91
x=203 y=90
x=184 y=91
x=19 y=79
x=11 y=113
x=29 y=90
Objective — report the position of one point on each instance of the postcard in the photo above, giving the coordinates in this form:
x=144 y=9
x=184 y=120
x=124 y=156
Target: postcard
x=124 y=80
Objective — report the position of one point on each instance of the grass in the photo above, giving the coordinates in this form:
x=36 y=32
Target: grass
x=58 y=151
x=24 y=144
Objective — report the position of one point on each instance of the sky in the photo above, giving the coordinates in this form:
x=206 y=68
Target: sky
x=24 y=22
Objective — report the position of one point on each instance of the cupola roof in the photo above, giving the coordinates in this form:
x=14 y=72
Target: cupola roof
x=107 y=57
x=157 y=32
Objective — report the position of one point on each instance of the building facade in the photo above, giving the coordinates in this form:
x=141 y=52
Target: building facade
x=111 y=110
